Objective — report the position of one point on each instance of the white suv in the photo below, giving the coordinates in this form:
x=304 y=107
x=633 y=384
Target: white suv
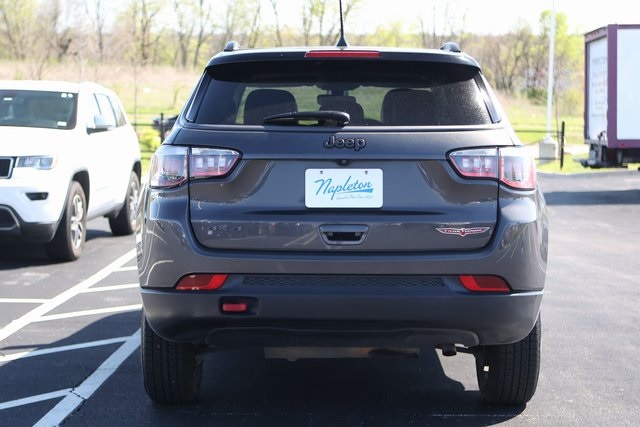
x=68 y=153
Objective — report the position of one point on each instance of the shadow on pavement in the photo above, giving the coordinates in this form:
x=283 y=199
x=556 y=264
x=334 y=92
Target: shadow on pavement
x=574 y=198
x=15 y=254
x=241 y=388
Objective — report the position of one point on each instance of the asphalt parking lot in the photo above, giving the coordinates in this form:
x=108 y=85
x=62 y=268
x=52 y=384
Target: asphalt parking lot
x=69 y=344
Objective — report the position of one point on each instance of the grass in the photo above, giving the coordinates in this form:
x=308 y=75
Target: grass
x=530 y=121
x=571 y=166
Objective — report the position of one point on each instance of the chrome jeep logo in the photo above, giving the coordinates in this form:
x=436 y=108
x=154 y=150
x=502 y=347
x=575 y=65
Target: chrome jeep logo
x=462 y=231
x=356 y=144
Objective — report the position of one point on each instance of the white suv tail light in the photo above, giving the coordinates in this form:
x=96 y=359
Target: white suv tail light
x=172 y=166
x=512 y=166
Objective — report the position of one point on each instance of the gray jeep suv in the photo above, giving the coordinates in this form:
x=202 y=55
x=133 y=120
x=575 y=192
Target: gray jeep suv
x=317 y=199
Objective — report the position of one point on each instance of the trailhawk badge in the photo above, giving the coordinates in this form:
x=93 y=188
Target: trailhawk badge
x=463 y=231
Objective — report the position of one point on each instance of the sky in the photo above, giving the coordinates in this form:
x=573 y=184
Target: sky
x=490 y=16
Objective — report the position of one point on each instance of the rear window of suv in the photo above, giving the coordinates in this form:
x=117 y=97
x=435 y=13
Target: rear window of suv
x=373 y=93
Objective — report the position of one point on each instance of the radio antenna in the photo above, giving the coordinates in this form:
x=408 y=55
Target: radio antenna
x=342 y=42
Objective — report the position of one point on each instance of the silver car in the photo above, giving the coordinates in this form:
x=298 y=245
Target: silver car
x=312 y=200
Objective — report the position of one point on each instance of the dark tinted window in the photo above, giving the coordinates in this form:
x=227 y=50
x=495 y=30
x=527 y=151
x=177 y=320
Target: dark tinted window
x=371 y=92
x=28 y=108
x=120 y=117
x=106 y=111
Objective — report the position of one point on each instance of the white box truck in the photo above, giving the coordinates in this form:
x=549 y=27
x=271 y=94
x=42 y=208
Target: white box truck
x=612 y=96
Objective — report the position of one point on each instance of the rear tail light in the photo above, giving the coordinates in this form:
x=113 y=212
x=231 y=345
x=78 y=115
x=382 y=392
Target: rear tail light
x=476 y=163
x=172 y=166
x=208 y=162
x=484 y=283
x=168 y=166
x=201 y=282
x=512 y=166
x=517 y=170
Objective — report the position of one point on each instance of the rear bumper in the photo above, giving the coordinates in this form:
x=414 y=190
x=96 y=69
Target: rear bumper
x=333 y=316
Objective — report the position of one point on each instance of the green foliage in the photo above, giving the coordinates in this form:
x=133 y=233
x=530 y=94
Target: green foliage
x=568 y=63
x=536 y=95
x=149 y=140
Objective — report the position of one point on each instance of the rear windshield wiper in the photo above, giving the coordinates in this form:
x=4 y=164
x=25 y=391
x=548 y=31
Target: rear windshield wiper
x=329 y=118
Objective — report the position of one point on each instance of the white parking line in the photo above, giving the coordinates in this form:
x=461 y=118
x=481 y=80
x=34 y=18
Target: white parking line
x=53 y=350
x=22 y=301
x=111 y=288
x=128 y=268
x=34 y=399
x=78 y=395
x=60 y=299
x=120 y=309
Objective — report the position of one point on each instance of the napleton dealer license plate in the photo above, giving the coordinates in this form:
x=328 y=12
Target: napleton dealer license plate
x=343 y=188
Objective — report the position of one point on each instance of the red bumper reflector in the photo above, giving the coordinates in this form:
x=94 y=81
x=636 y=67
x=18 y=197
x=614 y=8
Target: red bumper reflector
x=342 y=54
x=201 y=282
x=238 y=307
x=484 y=283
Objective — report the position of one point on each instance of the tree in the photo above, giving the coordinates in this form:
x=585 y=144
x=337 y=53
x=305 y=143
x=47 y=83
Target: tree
x=274 y=6
x=509 y=58
x=254 y=27
x=451 y=26
x=95 y=11
x=17 y=21
x=316 y=14
x=203 y=18
x=184 y=11
x=568 y=60
x=54 y=36
x=242 y=15
x=142 y=15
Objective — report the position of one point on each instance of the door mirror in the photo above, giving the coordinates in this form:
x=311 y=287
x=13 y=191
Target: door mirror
x=100 y=124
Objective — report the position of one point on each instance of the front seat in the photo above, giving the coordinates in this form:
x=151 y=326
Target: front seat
x=345 y=104
x=411 y=107
x=262 y=103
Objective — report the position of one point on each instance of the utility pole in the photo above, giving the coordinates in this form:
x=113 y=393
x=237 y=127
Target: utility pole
x=549 y=146
x=552 y=48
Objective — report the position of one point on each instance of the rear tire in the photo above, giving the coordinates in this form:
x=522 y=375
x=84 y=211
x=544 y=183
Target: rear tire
x=68 y=242
x=508 y=374
x=171 y=371
x=124 y=223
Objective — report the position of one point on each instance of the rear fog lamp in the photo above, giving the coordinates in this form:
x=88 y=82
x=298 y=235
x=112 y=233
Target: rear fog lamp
x=238 y=307
x=484 y=283
x=201 y=282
